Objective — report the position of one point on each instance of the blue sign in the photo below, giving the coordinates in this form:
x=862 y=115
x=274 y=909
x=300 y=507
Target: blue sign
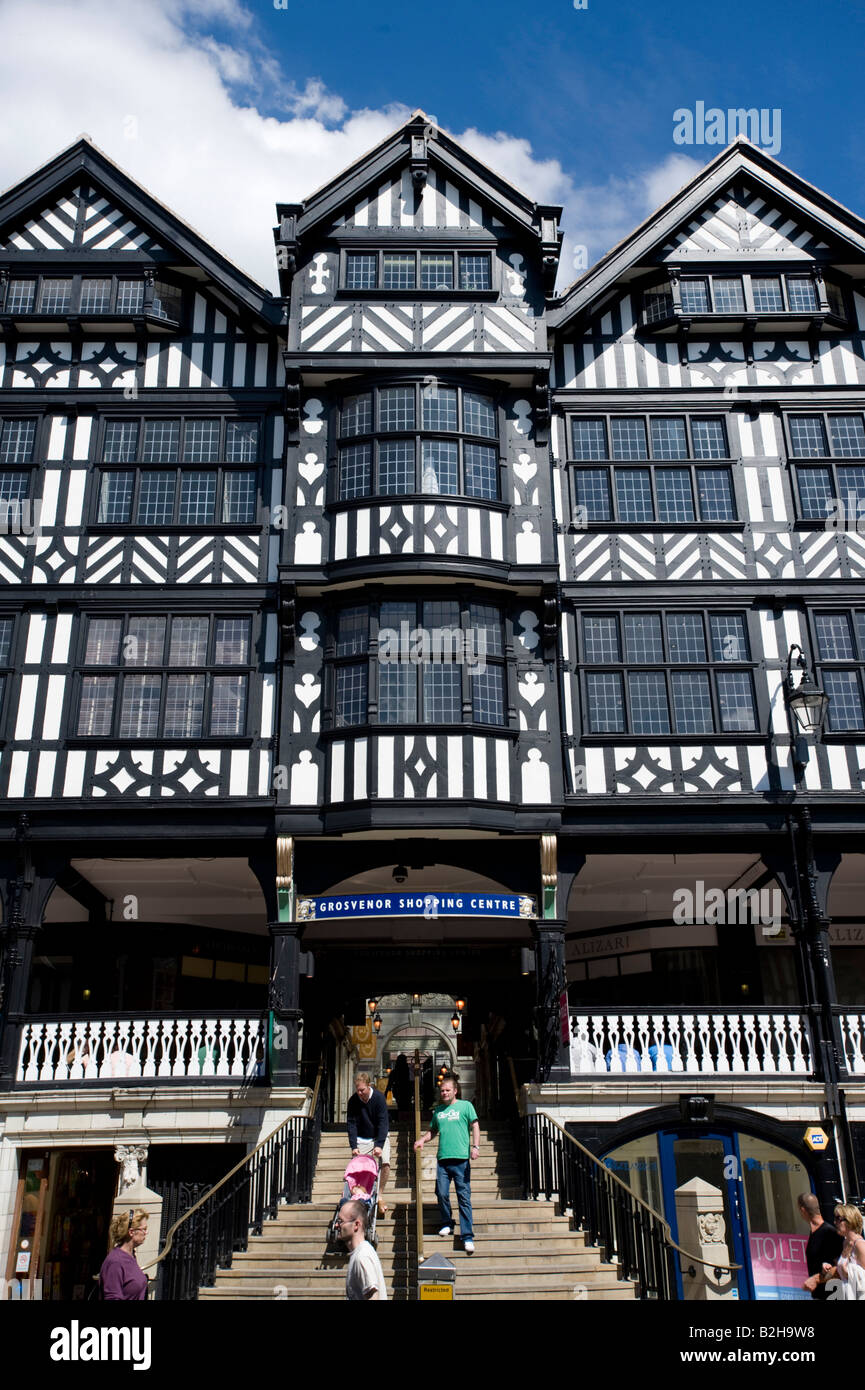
x=427 y=905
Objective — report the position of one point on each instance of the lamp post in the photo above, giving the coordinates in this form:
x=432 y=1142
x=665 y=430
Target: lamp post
x=807 y=706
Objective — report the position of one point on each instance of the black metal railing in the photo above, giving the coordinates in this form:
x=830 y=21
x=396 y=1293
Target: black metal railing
x=625 y=1228
x=612 y=1217
x=280 y=1169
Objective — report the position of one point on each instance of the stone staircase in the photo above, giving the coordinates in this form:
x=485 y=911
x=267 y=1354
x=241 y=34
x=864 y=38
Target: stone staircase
x=523 y=1250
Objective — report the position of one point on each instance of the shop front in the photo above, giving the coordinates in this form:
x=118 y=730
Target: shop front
x=760 y=1182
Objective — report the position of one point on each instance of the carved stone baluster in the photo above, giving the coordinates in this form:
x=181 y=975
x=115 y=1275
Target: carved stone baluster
x=138 y=1028
x=704 y=1024
x=734 y=1030
x=750 y=1029
x=689 y=1024
x=229 y=1044
x=613 y=1032
x=722 y=1063
x=77 y=1050
x=674 y=1023
x=108 y=1031
x=240 y=1051
x=31 y=1037
x=856 y=1060
x=198 y=1048
x=123 y=1058
x=800 y=1044
x=181 y=1041
x=166 y=1034
x=630 y=1036
x=659 y=1023
x=767 y=1061
x=781 y=1024
x=598 y=1025
x=63 y=1044
x=152 y=1034
x=644 y=1040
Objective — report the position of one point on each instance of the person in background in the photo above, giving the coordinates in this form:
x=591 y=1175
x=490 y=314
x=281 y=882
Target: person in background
x=121 y=1278
x=367 y=1120
x=364 y=1277
x=452 y=1121
x=850 y=1264
x=824 y=1244
x=401 y=1085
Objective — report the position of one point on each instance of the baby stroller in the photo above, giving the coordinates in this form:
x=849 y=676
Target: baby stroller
x=362 y=1171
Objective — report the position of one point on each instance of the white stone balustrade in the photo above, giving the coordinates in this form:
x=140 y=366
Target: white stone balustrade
x=852 y=1025
x=764 y=1042
x=65 y=1052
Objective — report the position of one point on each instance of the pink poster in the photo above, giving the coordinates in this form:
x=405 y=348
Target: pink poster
x=778 y=1265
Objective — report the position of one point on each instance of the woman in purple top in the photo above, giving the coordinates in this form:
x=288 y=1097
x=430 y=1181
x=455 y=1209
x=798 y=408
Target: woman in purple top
x=121 y=1280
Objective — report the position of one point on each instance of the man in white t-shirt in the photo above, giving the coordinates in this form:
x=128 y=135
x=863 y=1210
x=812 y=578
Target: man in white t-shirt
x=364 y=1278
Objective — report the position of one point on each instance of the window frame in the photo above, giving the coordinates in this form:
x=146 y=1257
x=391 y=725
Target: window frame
x=116 y=274
x=208 y=669
x=418 y=251
x=418 y=435
x=609 y=465
x=369 y=660
x=710 y=666
x=830 y=460
x=856 y=663
x=8 y=671
x=220 y=467
x=650 y=319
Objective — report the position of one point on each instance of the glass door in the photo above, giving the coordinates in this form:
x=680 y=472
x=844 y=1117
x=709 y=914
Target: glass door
x=714 y=1158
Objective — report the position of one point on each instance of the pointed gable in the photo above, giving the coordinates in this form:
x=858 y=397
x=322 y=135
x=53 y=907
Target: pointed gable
x=442 y=203
x=742 y=220
x=82 y=220
x=743 y=204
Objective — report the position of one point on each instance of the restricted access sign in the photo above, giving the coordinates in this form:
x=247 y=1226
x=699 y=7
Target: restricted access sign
x=439 y=1293
x=816 y=1138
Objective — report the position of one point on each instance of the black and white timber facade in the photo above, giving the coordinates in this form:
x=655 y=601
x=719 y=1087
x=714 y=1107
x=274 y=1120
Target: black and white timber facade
x=230 y=518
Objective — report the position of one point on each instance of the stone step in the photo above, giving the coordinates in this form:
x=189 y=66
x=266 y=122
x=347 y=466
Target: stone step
x=468 y=1279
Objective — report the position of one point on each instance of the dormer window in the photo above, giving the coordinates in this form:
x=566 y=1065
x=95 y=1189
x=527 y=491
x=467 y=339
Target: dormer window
x=92 y=296
x=469 y=271
x=752 y=294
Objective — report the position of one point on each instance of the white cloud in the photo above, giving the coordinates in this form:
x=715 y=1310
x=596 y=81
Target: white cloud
x=183 y=112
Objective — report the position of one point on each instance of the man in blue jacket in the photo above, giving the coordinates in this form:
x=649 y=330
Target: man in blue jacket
x=366 y=1114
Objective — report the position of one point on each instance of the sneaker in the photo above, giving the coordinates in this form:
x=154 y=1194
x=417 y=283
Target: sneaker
x=446 y=1231
x=469 y=1247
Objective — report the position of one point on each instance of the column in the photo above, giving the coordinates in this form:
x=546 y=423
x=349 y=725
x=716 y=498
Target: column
x=25 y=893
x=284 y=1001
x=551 y=1011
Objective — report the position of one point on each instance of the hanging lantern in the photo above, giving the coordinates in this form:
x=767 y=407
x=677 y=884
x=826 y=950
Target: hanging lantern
x=373 y=1005
x=376 y=1023
x=459 y=1005
x=455 y=1022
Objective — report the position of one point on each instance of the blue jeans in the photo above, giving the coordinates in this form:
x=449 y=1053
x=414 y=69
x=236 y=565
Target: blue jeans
x=460 y=1170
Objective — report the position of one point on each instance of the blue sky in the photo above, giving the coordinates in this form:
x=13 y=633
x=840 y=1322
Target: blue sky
x=221 y=107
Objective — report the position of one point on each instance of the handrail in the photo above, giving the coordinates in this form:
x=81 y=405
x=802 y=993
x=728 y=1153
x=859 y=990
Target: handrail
x=710 y=1264
x=245 y=1162
x=418 y=1160
x=629 y=1228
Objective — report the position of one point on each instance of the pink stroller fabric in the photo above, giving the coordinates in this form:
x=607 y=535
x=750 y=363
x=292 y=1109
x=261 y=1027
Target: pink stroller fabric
x=362 y=1171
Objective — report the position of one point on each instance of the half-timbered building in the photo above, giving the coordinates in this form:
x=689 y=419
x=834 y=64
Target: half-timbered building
x=424 y=634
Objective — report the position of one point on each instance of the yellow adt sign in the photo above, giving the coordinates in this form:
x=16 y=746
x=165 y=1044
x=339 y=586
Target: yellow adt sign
x=816 y=1138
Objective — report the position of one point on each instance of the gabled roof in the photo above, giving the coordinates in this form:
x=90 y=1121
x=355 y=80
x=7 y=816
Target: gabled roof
x=109 y=194
x=739 y=161
x=508 y=203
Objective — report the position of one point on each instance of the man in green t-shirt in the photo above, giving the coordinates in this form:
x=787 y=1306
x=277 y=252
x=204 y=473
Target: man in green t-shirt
x=452 y=1121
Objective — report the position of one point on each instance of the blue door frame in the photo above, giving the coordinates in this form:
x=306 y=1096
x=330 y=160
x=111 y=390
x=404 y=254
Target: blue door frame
x=737 y=1234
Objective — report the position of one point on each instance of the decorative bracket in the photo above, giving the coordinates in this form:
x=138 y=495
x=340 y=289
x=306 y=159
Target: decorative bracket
x=551 y=245
x=419 y=136
x=541 y=407
x=291 y=400
x=287 y=618
x=285 y=877
x=549 y=873
x=287 y=243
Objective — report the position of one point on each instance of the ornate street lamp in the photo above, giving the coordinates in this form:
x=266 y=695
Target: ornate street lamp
x=806 y=702
x=377 y=1022
x=459 y=1005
